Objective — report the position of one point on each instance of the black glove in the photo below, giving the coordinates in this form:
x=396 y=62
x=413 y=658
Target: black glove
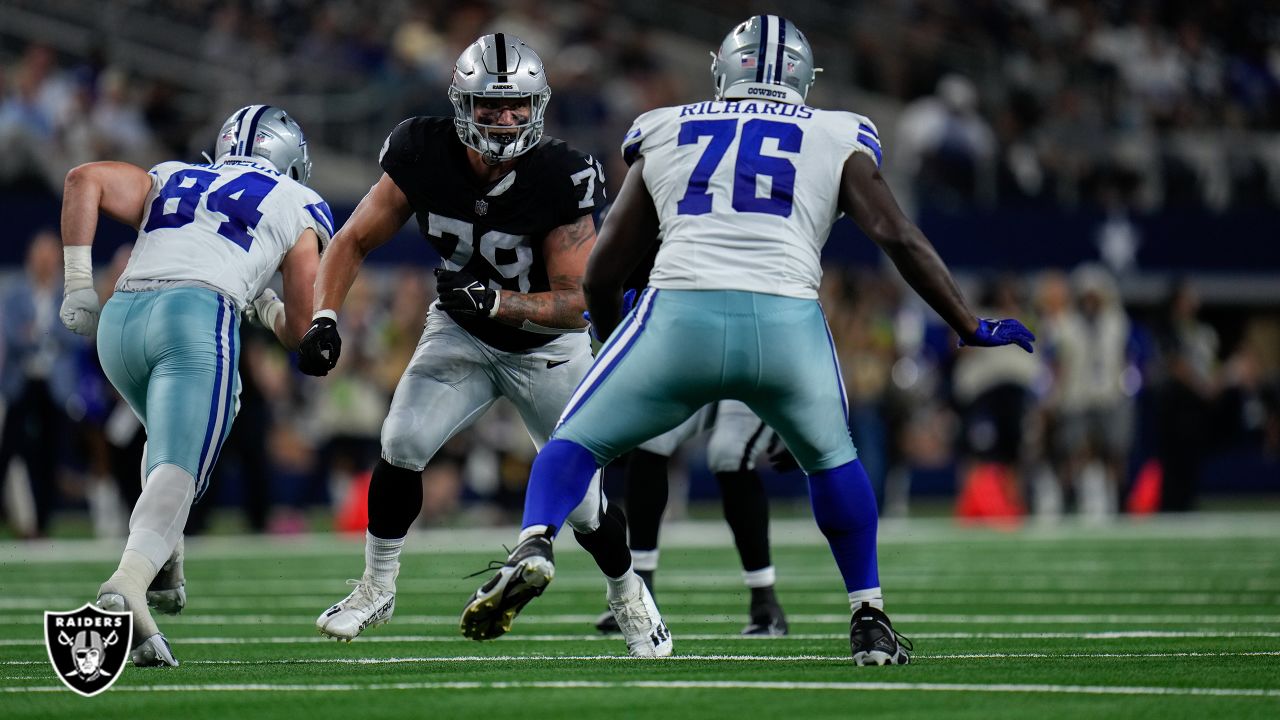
x=461 y=293
x=320 y=347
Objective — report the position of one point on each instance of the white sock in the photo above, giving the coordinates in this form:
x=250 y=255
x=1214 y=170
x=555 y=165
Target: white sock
x=382 y=559
x=531 y=531
x=619 y=586
x=764 y=577
x=134 y=575
x=645 y=559
x=870 y=595
x=160 y=515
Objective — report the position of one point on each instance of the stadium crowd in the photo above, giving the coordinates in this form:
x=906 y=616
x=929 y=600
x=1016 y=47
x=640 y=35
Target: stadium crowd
x=1133 y=105
x=1057 y=101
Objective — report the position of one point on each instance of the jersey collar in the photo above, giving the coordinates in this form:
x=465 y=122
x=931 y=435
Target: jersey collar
x=251 y=159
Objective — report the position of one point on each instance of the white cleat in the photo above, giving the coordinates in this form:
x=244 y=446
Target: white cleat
x=640 y=622
x=153 y=649
x=168 y=591
x=369 y=605
x=154 y=652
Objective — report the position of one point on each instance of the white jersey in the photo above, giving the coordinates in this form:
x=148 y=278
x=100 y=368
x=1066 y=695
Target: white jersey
x=227 y=225
x=746 y=191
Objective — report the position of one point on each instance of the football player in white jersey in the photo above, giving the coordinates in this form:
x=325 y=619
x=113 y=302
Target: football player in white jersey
x=210 y=238
x=743 y=190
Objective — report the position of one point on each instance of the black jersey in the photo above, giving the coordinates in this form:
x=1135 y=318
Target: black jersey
x=494 y=231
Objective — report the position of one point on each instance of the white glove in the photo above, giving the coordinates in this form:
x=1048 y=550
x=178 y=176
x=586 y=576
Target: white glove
x=80 y=309
x=266 y=308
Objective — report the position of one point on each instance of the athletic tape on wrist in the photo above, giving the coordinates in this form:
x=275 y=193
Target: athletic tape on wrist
x=77 y=267
x=273 y=311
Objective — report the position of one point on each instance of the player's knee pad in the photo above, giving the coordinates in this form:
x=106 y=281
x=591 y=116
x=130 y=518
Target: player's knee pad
x=404 y=448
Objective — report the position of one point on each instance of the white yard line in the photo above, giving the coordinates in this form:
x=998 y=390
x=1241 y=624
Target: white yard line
x=736 y=685
x=842 y=659
x=685 y=600
x=685 y=534
x=375 y=637
x=721 y=581
x=690 y=619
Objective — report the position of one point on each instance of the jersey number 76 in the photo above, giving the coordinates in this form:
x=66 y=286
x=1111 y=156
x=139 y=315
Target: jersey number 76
x=749 y=164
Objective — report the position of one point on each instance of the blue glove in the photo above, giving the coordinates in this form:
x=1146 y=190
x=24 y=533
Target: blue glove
x=993 y=333
x=628 y=302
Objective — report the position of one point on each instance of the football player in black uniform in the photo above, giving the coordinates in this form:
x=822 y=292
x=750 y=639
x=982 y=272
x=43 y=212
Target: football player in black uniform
x=510 y=213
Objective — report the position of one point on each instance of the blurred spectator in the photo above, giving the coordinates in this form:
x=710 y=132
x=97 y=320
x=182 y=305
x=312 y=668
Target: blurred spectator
x=38 y=376
x=1189 y=357
x=994 y=393
x=1093 y=428
x=119 y=129
x=945 y=146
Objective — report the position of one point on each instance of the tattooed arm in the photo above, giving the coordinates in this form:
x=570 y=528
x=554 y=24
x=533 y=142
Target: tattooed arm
x=565 y=252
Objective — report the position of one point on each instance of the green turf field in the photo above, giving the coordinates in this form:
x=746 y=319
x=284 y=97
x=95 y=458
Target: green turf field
x=1160 y=619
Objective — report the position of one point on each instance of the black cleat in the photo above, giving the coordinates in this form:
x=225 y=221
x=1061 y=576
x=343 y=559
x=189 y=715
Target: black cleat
x=767 y=620
x=607 y=624
x=873 y=641
x=526 y=573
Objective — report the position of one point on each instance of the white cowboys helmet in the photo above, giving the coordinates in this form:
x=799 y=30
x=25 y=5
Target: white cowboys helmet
x=267 y=132
x=765 y=57
x=499 y=66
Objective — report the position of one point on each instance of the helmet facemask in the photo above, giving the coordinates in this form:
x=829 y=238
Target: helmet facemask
x=499 y=68
x=478 y=128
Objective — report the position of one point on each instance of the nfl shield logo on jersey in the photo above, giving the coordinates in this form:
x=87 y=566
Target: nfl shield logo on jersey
x=88 y=647
x=482 y=207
